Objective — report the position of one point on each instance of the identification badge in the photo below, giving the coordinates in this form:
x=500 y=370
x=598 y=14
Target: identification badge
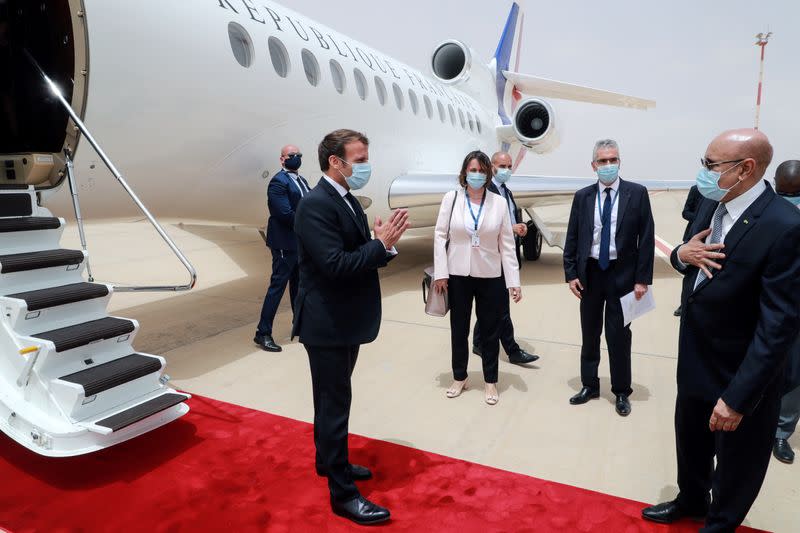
x=476 y=241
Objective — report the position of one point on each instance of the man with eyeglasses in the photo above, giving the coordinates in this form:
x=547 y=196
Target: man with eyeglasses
x=741 y=315
x=787 y=185
x=608 y=253
x=285 y=190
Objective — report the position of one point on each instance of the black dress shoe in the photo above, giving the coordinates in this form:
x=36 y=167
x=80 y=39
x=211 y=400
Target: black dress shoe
x=669 y=512
x=361 y=511
x=265 y=342
x=783 y=452
x=477 y=350
x=357 y=472
x=623 y=405
x=677 y=312
x=522 y=357
x=584 y=396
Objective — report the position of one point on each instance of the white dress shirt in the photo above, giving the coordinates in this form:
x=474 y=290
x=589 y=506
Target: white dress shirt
x=296 y=180
x=598 y=225
x=504 y=194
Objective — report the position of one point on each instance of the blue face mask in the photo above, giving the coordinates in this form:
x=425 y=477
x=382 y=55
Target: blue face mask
x=293 y=162
x=708 y=183
x=608 y=174
x=502 y=175
x=794 y=200
x=360 y=176
x=476 y=180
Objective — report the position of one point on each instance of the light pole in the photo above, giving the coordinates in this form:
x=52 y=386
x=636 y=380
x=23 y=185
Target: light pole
x=761 y=40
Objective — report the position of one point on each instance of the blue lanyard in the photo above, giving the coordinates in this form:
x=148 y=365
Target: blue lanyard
x=599 y=207
x=480 y=209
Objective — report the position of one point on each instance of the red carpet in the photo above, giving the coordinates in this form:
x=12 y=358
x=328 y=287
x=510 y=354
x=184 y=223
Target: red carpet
x=224 y=467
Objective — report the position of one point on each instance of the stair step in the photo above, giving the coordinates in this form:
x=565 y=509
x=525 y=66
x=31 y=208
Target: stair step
x=109 y=375
x=8 y=225
x=16 y=204
x=82 y=334
x=141 y=411
x=65 y=294
x=36 y=260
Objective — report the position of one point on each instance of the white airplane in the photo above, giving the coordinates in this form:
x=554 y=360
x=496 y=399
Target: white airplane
x=193 y=100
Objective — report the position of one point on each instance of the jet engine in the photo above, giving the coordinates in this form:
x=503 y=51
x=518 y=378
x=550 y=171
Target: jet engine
x=534 y=125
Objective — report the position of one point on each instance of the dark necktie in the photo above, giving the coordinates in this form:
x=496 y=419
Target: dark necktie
x=357 y=210
x=605 y=232
x=303 y=185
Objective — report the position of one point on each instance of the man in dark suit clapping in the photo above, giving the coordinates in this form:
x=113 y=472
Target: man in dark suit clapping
x=285 y=190
x=608 y=253
x=338 y=305
x=741 y=300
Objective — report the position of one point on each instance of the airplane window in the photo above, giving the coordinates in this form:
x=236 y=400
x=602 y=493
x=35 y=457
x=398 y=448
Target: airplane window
x=440 y=107
x=461 y=119
x=337 y=74
x=412 y=97
x=478 y=124
x=428 y=106
x=471 y=122
x=361 y=83
x=311 y=67
x=398 y=96
x=279 y=56
x=241 y=44
x=380 y=89
x=452 y=114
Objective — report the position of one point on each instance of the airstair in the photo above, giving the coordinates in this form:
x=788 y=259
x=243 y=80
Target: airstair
x=70 y=380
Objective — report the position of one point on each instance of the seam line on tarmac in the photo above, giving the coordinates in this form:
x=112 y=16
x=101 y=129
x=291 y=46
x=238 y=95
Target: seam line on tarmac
x=533 y=339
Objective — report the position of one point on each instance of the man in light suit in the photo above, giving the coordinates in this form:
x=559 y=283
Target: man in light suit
x=741 y=314
x=338 y=305
x=608 y=253
x=286 y=189
x=787 y=185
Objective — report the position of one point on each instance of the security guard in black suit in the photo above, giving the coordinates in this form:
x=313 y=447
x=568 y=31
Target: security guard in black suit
x=741 y=315
x=501 y=166
x=338 y=305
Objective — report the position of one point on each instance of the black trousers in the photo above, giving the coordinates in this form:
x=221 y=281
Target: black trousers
x=331 y=369
x=742 y=459
x=600 y=293
x=284 y=270
x=505 y=327
x=489 y=295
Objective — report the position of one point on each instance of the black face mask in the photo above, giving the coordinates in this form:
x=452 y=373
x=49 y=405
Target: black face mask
x=293 y=162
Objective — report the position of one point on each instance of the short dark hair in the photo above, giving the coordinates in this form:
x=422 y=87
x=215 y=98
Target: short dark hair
x=334 y=143
x=483 y=161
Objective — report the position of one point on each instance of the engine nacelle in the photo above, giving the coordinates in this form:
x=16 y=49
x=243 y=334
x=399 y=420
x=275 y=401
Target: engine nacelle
x=451 y=62
x=535 y=126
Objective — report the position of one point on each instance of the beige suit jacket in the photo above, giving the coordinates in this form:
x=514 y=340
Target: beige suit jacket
x=496 y=253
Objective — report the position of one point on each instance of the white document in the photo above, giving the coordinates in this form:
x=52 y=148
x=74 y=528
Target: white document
x=633 y=308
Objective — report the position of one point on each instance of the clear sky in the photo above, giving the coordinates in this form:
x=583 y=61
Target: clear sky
x=697 y=59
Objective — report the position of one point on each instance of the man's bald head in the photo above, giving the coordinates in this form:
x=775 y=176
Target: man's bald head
x=741 y=157
x=501 y=159
x=787 y=177
x=289 y=149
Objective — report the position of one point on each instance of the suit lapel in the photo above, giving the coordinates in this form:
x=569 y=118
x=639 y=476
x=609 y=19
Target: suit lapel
x=342 y=205
x=588 y=213
x=624 y=198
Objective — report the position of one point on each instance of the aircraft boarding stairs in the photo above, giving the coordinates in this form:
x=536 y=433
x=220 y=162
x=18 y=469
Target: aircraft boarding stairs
x=70 y=380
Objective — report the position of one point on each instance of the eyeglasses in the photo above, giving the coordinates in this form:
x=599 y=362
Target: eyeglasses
x=789 y=194
x=607 y=161
x=292 y=154
x=708 y=164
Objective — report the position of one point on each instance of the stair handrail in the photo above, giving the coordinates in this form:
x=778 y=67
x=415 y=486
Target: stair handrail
x=113 y=169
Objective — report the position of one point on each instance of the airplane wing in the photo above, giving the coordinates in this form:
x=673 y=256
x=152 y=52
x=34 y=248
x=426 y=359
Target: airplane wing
x=422 y=193
x=536 y=86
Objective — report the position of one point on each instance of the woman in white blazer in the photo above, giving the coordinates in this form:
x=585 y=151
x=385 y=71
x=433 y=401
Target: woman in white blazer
x=469 y=263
